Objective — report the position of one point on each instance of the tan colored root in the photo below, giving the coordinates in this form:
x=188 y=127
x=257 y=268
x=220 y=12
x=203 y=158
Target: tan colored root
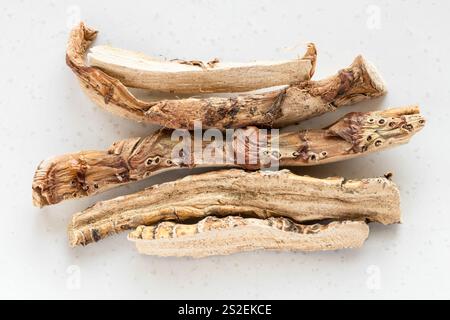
x=236 y=192
x=277 y=108
x=180 y=76
x=223 y=236
x=89 y=172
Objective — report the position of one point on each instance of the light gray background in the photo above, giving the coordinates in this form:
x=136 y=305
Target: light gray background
x=44 y=113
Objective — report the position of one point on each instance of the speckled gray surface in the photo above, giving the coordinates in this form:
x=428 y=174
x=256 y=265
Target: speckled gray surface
x=45 y=113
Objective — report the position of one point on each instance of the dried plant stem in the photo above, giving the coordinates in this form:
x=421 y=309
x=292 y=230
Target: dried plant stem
x=181 y=76
x=236 y=192
x=222 y=236
x=277 y=108
x=90 y=172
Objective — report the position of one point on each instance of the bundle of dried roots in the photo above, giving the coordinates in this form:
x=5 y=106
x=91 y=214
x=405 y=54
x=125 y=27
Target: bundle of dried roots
x=232 y=210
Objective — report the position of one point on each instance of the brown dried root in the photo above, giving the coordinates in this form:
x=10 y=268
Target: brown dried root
x=180 y=76
x=90 y=172
x=278 y=108
x=236 y=192
x=222 y=236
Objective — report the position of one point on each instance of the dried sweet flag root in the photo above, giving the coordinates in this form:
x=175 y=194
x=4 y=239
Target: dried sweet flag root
x=232 y=234
x=89 y=172
x=261 y=195
x=302 y=99
x=181 y=76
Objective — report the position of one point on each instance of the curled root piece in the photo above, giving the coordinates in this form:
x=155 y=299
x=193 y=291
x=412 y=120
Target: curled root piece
x=180 y=76
x=232 y=234
x=297 y=102
x=89 y=172
x=236 y=192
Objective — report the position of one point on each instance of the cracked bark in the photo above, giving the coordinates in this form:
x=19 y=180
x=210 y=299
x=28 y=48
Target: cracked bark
x=277 y=108
x=89 y=172
x=236 y=192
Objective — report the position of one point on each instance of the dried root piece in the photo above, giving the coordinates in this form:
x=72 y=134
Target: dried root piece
x=90 y=172
x=236 y=192
x=278 y=108
x=180 y=76
x=223 y=236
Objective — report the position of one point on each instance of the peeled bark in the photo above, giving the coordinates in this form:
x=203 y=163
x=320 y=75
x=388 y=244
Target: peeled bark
x=236 y=192
x=89 y=172
x=223 y=236
x=180 y=76
x=277 y=108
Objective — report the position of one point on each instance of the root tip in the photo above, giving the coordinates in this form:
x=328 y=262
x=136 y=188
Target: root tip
x=374 y=76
